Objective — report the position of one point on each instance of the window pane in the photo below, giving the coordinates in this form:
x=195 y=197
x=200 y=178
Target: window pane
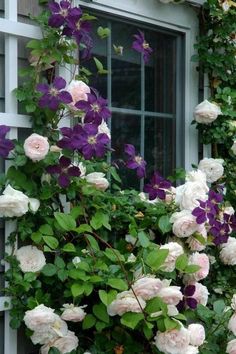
x=126 y=69
x=125 y=130
x=160 y=74
x=160 y=145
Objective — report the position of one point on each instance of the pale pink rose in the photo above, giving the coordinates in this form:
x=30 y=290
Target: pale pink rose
x=228 y=252
x=64 y=344
x=191 y=350
x=213 y=168
x=202 y=260
x=125 y=302
x=78 y=90
x=36 y=147
x=232 y=324
x=231 y=347
x=201 y=293
x=73 y=313
x=189 y=194
x=184 y=223
x=147 y=287
x=233 y=302
x=197 y=334
x=31 y=259
x=170 y=195
x=171 y=295
x=175 y=250
x=194 y=244
x=206 y=112
x=173 y=341
x=98 y=180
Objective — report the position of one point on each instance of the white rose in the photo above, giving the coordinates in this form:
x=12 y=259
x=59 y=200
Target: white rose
x=64 y=344
x=147 y=287
x=201 y=293
x=233 y=147
x=82 y=168
x=212 y=168
x=188 y=194
x=98 y=180
x=196 y=176
x=125 y=302
x=202 y=260
x=13 y=203
x=184 y=223
x=31 y=259
x=194 y=244
x=76 y=261
x=36 y=147
x=34 y=204
x=228 y=252
x=173 y=341
x=171 y=295
x=232 y=324
x=231 y=347
x=73 y=313
x=175 y=250
x=191 y=350
x=103 y=129
x=197 y=334
x=78 y=90
x=233 y=302
x=45 y=323
x=206 y=112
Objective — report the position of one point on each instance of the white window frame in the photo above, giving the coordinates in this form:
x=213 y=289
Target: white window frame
x=166 y=16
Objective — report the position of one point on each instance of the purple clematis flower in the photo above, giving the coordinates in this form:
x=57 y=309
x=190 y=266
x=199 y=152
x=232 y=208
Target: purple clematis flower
x=156 y=187
x=54 y=95
x=77 y=27
x=6 y=145
x=135 y=162
x=60 y=12
x=188 y=300
x=205 y=210
x=65 y=170
x=141 y=46
x=220 y=231
x=95 y=109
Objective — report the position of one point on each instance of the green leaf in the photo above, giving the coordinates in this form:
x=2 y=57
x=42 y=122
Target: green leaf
x=51 y=241
x=62 y=274
x=164 y=224
x=46 y=230
x=103 y=32
x=29 y=277
x=77 y=289
x=54 y=350
x=114 y=255
x=170 y=324
x=99 y=66
x=34 y=44
x=89 y=321
x=65 y=221
x=59 y=262
x=192 y=268
x=78 y=274
x=49 y=270
x=36 y=237
x=93 y=243
x=156 y=258
x=20 y=160
x=219 y=306
x=181 y=262
x=83 y=228
x=117 y=283
x=115 y=175
x=107 y=298
x=155 y=305
x=204 y=313
x=100 y=219
x=69 y=247
x=161 y=325
x=76 y=211
x=143 y=239
x=131 y=319
x=100 y=311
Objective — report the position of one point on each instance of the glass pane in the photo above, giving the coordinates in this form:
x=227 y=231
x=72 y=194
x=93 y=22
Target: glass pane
x=100 y=52
x=125 y=130
x=126 y=69
x=160 y=73
x=1 y=8
x=160 y=145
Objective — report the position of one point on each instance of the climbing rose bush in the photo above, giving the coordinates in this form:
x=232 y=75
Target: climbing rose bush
x=100 y=268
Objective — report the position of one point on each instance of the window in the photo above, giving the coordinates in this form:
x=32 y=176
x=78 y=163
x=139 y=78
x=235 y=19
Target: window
x=143 y=98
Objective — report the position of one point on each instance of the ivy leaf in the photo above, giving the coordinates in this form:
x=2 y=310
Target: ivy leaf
x=65 y=221
x=131 y=320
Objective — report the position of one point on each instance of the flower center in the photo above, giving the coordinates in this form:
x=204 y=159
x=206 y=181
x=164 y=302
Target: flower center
x=64 y=12
x=37 y=146
x=92 y=140
x=53 y=91
x=95 y=107
x=78 y=25
x=156 y=186
x=222 y=232
x=138 y=159
x=145 y=45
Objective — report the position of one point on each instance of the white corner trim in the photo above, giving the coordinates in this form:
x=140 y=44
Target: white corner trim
x=19 y=29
